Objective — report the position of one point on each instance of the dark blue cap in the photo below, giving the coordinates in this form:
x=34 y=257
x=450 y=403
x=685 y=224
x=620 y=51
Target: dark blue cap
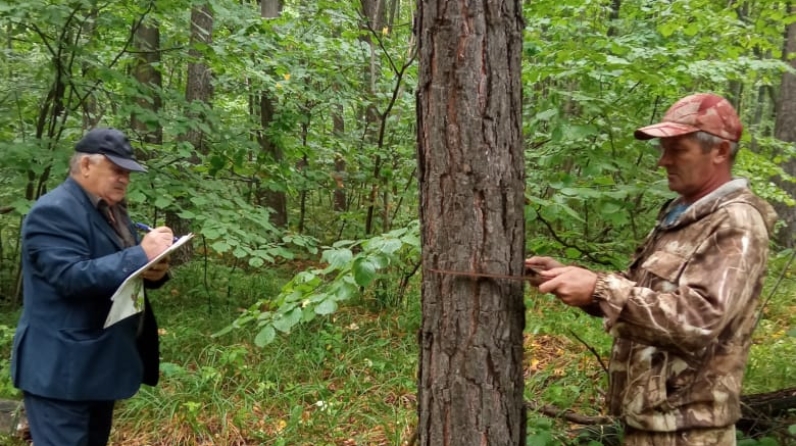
x=113 y=144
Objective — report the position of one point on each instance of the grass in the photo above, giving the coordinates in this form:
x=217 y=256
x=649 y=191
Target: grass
x=350 y=379
x=342 y=380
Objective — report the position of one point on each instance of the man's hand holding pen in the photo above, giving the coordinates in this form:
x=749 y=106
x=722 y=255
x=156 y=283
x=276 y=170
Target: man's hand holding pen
x=146 y=228
x=155 y=242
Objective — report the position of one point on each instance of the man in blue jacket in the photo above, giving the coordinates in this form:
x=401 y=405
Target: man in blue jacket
x=78 y=246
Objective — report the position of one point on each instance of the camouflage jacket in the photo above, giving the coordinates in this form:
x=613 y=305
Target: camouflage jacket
x=682 y=315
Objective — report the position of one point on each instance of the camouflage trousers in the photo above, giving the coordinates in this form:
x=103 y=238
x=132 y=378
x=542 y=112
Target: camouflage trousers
x=724 y=436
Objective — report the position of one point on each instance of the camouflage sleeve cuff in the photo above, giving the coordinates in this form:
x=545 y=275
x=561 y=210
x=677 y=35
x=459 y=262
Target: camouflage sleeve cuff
x=611 y=292
x=601 y=291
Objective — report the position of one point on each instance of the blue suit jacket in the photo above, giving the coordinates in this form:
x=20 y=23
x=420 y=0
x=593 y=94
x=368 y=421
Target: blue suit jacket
x=72 y=263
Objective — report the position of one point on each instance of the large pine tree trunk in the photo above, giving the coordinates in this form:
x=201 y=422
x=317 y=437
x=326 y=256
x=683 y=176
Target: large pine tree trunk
x=785 y=129
x=471 y=166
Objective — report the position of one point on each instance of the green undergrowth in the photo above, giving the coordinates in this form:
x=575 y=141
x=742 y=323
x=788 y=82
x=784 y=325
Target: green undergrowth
x=344 y=379
x=350 y=378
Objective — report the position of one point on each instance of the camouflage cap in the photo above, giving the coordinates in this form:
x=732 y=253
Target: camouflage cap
x=704 y=112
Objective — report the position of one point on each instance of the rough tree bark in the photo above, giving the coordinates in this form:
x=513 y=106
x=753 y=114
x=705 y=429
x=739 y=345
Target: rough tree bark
x=471 y=171
x=785 y=129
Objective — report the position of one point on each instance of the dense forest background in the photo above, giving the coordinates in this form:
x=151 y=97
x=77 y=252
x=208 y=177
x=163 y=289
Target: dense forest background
x=283 y=134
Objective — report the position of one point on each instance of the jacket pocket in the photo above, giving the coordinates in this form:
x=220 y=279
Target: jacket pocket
x=681 y=375
x=83 y=335
x=665 y=268
x=646 y=389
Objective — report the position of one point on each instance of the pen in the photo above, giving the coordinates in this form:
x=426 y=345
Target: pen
x=147 y=228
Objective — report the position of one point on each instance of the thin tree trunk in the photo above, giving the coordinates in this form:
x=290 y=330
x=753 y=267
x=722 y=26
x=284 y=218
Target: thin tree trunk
x=373 y=11
x=471 y=170
x=91 y=114
x=616 y=5
x=303 y=166
x=198 y=89
x=274 y=199
x=339 y=162
x=145 y=71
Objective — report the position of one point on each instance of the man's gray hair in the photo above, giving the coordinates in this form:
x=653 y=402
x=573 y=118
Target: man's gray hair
x=74 y=162
x=708 y=141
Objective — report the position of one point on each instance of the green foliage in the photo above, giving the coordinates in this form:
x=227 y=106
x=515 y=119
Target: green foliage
x=344 y=123
x=80 y=52
x=318 y=291
x=540 y=433
x=765 y=441
x=595 y=75
x=7 y=389
x=330 y=381
x=350 y=376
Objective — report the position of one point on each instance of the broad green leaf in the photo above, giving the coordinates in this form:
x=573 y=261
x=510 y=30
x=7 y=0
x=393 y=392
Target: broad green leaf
x=380 y=261
x=390 y=245
x=546 y=115
x=265 y=336
x=220 y=246
x=287 y=321
x=163 y=201
x=308 y=314
x=328 y=306
x=338 y=258
x=211 y=233
x=364 y=271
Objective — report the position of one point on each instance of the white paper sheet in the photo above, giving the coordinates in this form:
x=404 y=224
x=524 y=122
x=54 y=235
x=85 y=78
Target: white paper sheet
x=129 y=297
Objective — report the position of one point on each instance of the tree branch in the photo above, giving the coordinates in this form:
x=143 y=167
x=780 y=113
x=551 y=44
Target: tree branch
x=592 y=350
x=567 y=414
x=122 y=52
x=564 y=243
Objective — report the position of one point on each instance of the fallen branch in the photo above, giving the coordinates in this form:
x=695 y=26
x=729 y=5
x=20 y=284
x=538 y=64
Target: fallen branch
x=567 y=414
x=5 y=210
x=753 y=408
x=769 y=404
x=760 y=415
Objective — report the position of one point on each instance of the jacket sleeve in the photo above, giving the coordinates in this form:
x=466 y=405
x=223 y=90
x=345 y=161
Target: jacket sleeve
x=717 y=283
x=59 y=249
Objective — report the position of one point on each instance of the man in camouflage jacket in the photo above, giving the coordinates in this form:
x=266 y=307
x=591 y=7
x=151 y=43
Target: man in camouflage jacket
x=682 y=315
